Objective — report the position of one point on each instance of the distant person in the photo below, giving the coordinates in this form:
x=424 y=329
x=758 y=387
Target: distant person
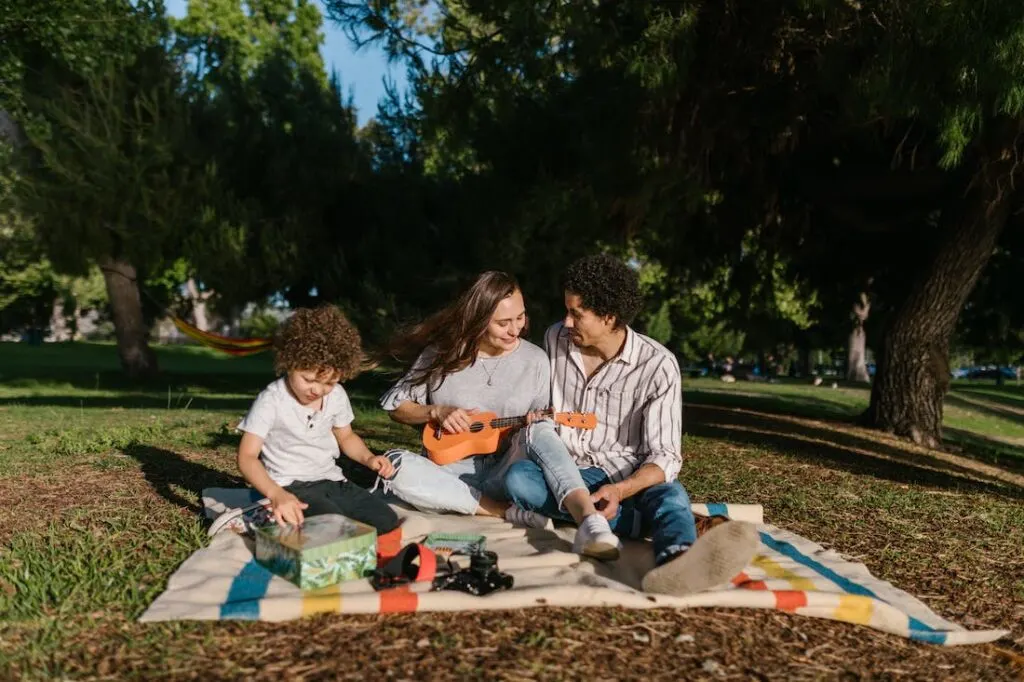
x=302 y=421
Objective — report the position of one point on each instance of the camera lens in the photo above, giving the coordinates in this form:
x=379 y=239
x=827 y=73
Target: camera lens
x=483 y=563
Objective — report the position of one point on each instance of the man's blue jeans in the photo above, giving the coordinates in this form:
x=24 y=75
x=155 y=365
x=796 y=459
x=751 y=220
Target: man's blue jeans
x=662 y=511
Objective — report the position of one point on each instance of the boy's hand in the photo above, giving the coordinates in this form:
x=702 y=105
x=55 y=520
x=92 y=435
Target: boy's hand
x=287 y=508
x=382 y=465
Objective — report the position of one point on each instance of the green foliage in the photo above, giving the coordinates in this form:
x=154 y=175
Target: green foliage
x=28 y=284
x=718 y=143
x=744 y=164
x=992 y=323
x=285 y=161
x=107 y=169
x=658 y=325
x=80 y=36
x=260 y=324
x=716 y=339
x=83 y=293
x=954 y=65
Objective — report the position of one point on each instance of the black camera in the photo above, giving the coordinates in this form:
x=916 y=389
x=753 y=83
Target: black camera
x=481 y=578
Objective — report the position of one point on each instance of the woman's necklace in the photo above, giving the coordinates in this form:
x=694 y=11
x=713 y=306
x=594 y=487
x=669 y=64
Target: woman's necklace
x=490 y=372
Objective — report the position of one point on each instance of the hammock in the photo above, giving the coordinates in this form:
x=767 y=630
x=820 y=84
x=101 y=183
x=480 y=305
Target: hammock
x=225 y=344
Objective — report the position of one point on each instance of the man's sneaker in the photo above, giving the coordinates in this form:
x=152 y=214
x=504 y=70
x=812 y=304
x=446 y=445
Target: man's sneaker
x=595 y=538
x=244 y=519
x=518 y=516
x=716 y=558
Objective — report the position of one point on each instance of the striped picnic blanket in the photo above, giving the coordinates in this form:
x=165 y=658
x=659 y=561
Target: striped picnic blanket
x=789 y=573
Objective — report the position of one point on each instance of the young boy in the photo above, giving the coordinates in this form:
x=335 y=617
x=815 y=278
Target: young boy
x=296 y=426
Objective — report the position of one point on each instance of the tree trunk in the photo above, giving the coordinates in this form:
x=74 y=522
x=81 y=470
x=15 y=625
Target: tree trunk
x=913 y=367
x=137 y=358
x=59 y=329
x=856 y=349
x=198 y=299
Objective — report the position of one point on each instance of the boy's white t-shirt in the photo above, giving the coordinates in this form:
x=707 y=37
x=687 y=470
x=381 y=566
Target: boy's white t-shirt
x=298 y=444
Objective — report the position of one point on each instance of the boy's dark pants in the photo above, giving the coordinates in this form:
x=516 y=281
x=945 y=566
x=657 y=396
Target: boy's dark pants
x=347 y=499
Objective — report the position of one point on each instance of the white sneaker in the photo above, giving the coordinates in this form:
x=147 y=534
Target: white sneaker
x=518 y=516
x=596 y=539
x=243 y=519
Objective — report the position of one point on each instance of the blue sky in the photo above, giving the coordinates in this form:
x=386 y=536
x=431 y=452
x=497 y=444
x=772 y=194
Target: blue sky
x=362 y=73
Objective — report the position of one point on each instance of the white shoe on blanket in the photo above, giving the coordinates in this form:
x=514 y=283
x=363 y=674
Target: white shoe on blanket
x=595 y=538
x=518 y=516
x=243 y=519
x=715 y=559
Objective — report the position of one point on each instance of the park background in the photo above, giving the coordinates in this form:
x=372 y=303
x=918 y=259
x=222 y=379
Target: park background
x=821 y=200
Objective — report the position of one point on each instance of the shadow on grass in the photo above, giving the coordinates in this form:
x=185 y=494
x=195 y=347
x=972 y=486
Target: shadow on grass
x=164 y=469
x=177 y=402
x=168 y=391
x=985 y=405
x=813 y=407
x=1008 y=394
x=967 y=444
x=824 y=446
x=111 y=380
x=977 y=446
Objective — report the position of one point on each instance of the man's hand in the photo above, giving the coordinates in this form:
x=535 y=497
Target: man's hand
x=287 y=508
x=452 y=419
x=537 y=415
x=606 y=499
x=382 y=465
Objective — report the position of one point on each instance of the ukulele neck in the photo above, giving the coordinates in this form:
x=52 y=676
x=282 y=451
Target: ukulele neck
x=507 y=422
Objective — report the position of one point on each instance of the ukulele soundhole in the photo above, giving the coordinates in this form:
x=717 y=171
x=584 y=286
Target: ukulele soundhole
x=476 y=427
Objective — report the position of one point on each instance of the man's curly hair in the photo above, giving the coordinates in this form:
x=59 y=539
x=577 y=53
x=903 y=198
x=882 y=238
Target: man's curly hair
x=606 y=285
x=320 y=339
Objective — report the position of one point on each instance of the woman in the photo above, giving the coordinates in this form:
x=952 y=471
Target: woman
x=469 y=357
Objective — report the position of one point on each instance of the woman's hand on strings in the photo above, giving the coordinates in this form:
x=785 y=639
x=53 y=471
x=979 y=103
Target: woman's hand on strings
x=452 y=419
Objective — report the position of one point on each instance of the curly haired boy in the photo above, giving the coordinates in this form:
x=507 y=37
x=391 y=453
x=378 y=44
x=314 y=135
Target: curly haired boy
x=297 y=425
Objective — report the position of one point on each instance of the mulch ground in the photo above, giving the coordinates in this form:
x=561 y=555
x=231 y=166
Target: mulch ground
x=606 y=644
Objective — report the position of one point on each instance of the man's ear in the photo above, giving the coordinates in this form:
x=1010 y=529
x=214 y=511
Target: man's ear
x=610 y=320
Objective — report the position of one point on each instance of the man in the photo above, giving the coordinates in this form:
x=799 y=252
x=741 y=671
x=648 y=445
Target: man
x=620 y=479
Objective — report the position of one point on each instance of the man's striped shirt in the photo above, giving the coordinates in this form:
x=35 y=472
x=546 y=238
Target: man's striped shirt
x=637 y=397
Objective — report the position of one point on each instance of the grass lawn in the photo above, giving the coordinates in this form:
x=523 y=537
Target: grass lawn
x=99 y=482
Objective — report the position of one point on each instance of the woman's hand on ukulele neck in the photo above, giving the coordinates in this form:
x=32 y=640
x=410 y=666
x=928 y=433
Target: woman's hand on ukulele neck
x=452 y=419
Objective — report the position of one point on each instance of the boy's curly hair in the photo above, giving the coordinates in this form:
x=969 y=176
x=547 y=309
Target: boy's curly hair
x=607 y=286
x=319 y=339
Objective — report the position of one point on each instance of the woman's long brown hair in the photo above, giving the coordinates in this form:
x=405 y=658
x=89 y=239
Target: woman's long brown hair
x=454 y=332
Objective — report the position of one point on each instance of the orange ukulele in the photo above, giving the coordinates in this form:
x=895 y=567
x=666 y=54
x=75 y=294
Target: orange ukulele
x=485 y=432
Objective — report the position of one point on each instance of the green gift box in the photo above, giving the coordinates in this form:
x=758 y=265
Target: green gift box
x=325 y=550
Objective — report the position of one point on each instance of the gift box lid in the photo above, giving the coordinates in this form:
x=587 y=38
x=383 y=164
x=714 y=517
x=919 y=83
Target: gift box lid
x=326 y=530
